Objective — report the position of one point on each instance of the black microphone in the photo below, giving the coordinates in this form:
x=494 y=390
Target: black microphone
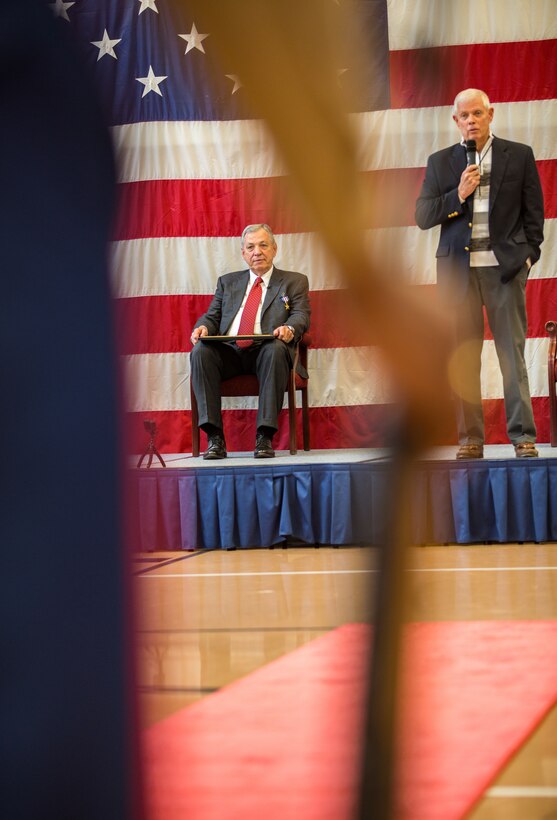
x=470 y=152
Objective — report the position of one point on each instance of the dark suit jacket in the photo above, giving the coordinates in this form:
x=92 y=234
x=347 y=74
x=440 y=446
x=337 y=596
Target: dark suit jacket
x=516 y=213
x=286 y=303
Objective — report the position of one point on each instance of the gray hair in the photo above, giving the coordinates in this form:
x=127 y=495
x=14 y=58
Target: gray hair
x=258 y=227
x=471 y=92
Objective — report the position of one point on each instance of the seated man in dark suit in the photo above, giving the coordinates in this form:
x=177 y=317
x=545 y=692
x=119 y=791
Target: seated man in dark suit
x=260 y=300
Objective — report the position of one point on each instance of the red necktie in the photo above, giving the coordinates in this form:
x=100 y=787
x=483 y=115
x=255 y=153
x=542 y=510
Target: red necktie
x=247 y=319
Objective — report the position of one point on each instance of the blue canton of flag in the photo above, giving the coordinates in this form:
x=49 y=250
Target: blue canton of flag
x=151 y=60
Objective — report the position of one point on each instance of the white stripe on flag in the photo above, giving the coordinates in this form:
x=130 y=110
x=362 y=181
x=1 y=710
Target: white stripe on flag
x=399 y=138
x=338 y=377
x=176 y=265
x=179 y=265
x=536 y=364
x=231 y=149
x=405 y=137
x=433 y=23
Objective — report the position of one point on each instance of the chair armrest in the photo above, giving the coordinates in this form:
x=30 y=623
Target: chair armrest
x=551 y=328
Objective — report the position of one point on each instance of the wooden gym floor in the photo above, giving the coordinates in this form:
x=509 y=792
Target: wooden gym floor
x=211 y=617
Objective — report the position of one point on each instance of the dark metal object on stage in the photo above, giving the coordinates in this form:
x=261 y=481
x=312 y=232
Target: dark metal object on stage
x=151 y=450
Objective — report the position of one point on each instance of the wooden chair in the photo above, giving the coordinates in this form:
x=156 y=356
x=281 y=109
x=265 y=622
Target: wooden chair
x=247 y=385
x=551 y=328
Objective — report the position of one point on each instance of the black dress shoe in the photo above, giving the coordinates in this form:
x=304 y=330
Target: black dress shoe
x=263 y=447
x=216 y=448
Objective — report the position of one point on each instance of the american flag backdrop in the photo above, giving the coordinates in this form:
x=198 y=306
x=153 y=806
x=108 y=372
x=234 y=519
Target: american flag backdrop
x=194 y=168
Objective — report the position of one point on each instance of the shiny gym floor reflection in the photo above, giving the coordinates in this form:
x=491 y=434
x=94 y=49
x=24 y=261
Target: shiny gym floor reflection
x=211 y=617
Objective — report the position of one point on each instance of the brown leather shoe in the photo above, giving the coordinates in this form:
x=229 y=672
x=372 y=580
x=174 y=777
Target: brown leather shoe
x=470 y=451
x=526 y=449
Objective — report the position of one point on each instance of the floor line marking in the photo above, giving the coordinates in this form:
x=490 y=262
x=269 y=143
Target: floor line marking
x=227 y=629
x=167 y=561
x=147 y=689
x=339 y=572
x=522 y=791
x=482 y=569
x=249 y=574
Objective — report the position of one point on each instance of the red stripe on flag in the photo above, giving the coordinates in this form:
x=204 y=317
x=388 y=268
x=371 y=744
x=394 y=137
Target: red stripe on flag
x=547 y=170
x=330 y=428
x=158 y=324
x=204 y=207
x=344 y=427
x=496 y=425
x=194 y=207
x=163 y=324
x=160 y=208
x=510 y=72
x=541 y=305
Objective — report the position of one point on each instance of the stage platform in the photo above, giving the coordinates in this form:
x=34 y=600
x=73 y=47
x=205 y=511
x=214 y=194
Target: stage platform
x=339 y=497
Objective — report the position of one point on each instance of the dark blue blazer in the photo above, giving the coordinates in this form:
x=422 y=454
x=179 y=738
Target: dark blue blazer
x=516 y=213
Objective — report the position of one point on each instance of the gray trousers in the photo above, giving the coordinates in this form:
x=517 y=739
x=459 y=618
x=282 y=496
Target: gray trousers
x=211 y=362
x=505 y=306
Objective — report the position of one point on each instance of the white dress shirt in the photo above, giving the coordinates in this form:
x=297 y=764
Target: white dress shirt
x=233 y=331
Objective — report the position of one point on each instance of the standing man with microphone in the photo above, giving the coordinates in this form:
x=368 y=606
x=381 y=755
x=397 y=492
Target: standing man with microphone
x=486 y=195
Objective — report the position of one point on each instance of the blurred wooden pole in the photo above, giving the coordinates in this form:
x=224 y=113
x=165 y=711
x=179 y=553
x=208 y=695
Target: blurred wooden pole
x=283 y=51
x=378 y=770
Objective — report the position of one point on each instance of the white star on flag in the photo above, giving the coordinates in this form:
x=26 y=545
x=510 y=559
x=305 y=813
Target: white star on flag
x=59 y=9
x=106 y=46
x=194 y=39
x=148 y=4
x=236 y=80
x=151 y=82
